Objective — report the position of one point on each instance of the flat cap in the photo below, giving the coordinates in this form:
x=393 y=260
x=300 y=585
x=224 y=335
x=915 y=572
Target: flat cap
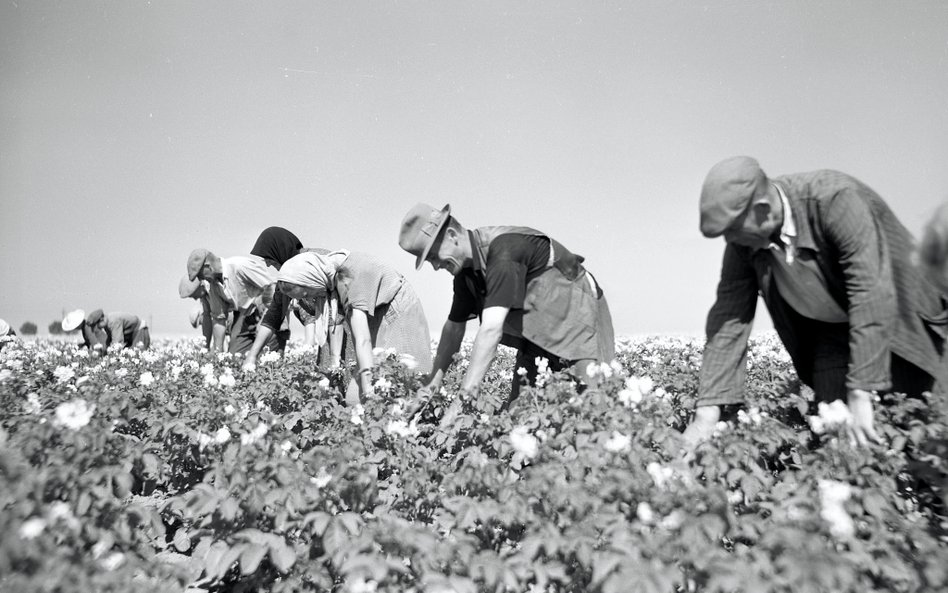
x=727 y=191
x=94 y=317
x=198 y=258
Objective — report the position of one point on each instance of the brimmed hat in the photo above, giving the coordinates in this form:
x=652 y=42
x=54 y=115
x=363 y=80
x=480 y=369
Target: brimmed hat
x=727 y=191
x=73 y=319
x=94 y=317
x=198 y=258
x=420 y=228
x=187 y=287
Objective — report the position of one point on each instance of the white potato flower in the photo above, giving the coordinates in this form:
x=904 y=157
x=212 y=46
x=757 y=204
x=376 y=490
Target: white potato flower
x=113 y=561
x=644 y=513
x=618 y=442
x=146 y=379
x=227 y=379
x=32 y=527
x=63 y=374
x=74 y=414
x=258 y=432
x=222 y=436
x=523 y=442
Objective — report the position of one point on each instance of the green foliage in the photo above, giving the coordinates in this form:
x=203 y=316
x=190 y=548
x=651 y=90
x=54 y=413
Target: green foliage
x=28 y=328
x=177 y=470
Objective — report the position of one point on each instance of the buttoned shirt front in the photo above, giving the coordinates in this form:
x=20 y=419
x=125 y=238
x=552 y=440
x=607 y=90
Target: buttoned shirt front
x=798 y=276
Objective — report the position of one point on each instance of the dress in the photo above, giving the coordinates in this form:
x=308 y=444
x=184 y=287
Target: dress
x=396 y=318
x=894 y=337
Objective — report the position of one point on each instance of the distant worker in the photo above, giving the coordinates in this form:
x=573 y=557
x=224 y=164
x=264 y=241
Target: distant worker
x=380 y=307
x=528 y=290
x=102 y=330
x=201 y=314
x=832 y=263
x=243 y=285
x=6 y=333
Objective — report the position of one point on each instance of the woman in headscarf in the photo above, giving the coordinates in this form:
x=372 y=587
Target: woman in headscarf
x=276 y=245
x=380 y=307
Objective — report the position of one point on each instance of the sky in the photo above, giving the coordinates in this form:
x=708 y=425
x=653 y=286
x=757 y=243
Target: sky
x=133 y=132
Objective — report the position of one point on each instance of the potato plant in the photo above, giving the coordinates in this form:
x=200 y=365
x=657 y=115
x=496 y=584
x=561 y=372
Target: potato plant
x=172 y=470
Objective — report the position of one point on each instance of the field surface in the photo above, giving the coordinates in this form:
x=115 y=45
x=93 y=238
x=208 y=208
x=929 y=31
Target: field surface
x=172 y=470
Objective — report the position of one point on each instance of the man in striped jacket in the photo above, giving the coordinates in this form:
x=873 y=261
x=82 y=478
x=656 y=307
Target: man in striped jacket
x=833 y=265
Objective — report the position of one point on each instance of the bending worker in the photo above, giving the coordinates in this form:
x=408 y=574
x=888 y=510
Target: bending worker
x=241 y=284
x=102 y=330
x=529 y=291
x=833 y=265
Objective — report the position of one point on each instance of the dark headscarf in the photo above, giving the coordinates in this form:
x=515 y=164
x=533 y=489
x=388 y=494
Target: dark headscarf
x=276 y=245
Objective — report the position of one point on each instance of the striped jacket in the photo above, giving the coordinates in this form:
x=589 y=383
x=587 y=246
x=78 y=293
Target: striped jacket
x=865 y=254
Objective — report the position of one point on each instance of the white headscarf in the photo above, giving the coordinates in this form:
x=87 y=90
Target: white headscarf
x=313 y=270
x=4 y=328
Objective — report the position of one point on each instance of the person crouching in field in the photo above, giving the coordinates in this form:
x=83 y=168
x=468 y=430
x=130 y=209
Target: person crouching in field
x=529 y=291
x=833 y=265
x=380 y=307
x=100 y=330
x=243 y=285
x=6 y=333
x=276 y=245
x=198 y=290
x=933 y=249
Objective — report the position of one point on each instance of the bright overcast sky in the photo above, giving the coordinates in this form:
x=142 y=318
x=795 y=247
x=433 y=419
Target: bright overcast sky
x=132 y=132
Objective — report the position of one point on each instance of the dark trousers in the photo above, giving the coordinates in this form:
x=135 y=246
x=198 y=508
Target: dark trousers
x=527 y=355
x=831 y=362
x=242 y=339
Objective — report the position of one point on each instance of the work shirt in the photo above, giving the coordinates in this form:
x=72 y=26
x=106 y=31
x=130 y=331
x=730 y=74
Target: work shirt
x=798 y=276
x=513 y=260
x=244 y=282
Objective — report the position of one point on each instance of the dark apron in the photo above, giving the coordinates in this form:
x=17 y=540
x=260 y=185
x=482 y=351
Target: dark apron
x=564 y=312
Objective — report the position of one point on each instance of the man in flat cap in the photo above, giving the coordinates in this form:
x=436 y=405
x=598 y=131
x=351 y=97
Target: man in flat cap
x=242 y=285
x=833 y=265
x=198 y=290
x=528 y=291
x=102 y=330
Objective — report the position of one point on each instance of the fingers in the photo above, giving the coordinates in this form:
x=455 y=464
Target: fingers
x=860 y=435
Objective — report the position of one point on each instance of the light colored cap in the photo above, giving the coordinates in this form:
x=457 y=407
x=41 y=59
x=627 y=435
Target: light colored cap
x=727 y=191
x=420 y=228
x=198 y=258
x=73 y=319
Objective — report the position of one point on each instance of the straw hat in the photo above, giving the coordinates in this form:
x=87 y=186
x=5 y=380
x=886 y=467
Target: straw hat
x=73 y=319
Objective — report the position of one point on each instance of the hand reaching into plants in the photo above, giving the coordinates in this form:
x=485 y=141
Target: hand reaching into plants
x=862 y=429
x=701 y=427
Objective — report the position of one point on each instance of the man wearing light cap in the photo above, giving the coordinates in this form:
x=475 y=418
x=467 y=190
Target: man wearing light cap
x=833 y=265
x=528 y=291
x=198 y=290
x=241 y=284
